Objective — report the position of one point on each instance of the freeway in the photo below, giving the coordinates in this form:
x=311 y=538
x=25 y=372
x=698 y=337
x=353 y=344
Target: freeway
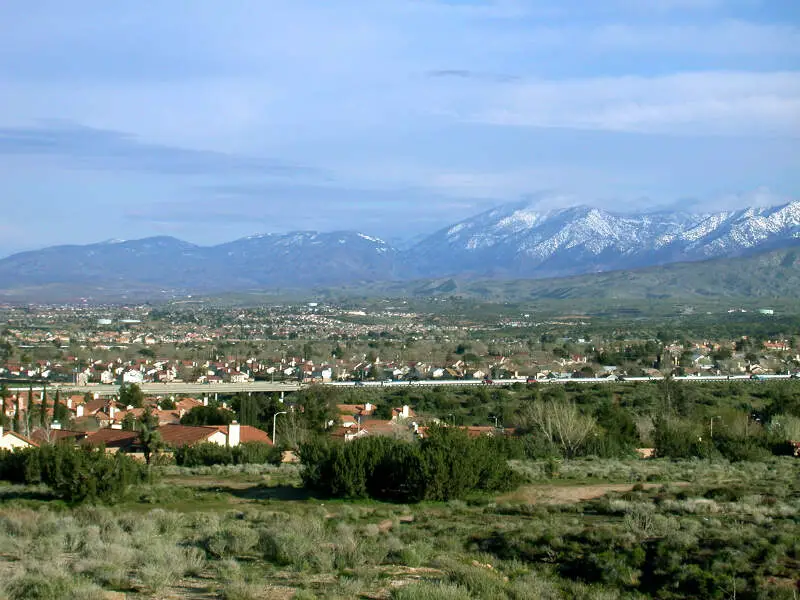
x=167 y=389
x=206 y=389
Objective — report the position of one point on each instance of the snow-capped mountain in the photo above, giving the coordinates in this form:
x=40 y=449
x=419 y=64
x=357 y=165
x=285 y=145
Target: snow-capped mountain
x=515 y=240
x=518 y=240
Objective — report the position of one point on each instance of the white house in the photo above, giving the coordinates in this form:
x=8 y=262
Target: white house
x=10 y=440
x=133 y=377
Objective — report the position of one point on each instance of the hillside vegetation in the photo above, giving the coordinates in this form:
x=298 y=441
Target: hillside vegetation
x=774 y=274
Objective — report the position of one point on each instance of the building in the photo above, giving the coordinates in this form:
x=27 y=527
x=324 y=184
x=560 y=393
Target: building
x=10 y=440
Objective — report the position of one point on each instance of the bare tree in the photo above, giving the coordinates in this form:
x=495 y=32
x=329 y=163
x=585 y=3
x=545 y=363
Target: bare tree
x=292 y=430
x=560 y=421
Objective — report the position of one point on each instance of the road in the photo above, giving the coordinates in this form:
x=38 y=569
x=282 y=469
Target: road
x=205 y=389
x=168 y=389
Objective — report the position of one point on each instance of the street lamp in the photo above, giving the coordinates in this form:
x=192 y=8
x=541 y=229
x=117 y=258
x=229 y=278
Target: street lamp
x=274 y=419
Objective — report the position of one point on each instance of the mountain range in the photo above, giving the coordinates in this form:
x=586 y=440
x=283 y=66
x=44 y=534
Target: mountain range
x=511 y=241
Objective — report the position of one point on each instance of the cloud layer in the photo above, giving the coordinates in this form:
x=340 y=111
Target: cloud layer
x=207 y=120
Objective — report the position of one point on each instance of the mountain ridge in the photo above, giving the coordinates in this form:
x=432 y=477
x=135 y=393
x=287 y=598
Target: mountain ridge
x=511 y=241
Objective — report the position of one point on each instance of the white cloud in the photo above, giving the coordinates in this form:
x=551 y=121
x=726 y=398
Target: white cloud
x=703 y=103
x=729 y=38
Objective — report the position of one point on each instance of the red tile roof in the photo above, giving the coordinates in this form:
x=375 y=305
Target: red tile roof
x=182 y=435
x=56 y=435
x=111 y=438
x=19 y=436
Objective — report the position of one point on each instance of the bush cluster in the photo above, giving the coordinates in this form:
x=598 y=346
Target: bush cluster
x=446 y=465
x=74 y=474
x=681 y=438
x=208 y=454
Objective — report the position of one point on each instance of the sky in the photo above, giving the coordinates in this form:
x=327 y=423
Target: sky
x=213 y=120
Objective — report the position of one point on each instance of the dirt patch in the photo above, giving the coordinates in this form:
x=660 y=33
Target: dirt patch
x=571 y=494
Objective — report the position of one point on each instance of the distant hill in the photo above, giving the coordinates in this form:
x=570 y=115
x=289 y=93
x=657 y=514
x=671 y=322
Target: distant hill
x=773 y=274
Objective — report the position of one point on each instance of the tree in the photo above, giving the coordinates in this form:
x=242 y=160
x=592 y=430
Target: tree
x=561 y=423
x=43 y=408
x=60 y=412
x=292 y=430
x=18 y=413
x=131 y=394
x=129 y=422
x=149 y=437
x=29 y=411
x=207 y=415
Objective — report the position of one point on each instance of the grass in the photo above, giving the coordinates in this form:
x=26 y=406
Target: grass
x=724 y=523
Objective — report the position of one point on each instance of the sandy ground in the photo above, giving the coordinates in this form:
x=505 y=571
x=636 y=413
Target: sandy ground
x=569 y=494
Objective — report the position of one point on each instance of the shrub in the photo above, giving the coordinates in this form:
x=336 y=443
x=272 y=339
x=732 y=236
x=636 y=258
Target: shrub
x=50 y=584
x=430 y=591
x=446 y=465
x=675 y=438
x=209 y=454
x=74 y=474
x=234 y=539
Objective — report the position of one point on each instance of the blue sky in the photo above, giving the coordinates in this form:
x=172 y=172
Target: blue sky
x=211 y=120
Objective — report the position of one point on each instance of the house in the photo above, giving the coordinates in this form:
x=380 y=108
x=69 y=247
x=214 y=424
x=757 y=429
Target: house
x=223 y=435
x=11 y=440
x=55 y=435
x=174 y=436
x=113 y=440
x=239 y=377
x=402 y=413
x=136 y=377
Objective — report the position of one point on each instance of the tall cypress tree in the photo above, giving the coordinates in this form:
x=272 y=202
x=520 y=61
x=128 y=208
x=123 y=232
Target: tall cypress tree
x=4 y=393
x=29 y=411
x=18 y=413
x=57 y=406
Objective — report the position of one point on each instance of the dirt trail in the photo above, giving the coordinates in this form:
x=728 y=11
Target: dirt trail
x=570 y=494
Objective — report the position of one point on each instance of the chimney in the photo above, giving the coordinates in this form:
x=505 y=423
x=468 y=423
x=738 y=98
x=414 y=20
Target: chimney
x=367 y=407
x=96 y=396
x=112 y=410
x=404 y=414
x=234 y=434
x=79 y=411
x=55 y=425
x=69 y=403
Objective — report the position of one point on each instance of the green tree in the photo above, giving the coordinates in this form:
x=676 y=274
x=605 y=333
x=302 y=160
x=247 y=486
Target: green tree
x=129 y=422
x=149 y=437
x=60 y=412
x=207 y=415
x=131 y=394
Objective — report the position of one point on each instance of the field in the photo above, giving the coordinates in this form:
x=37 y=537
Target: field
x=584 y=528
